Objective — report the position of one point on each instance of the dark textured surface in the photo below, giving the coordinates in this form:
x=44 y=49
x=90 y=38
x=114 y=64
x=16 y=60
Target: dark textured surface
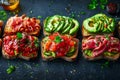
x=59 y=69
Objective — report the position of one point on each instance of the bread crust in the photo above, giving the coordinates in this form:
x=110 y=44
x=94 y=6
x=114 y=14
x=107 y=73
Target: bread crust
x=70 y=59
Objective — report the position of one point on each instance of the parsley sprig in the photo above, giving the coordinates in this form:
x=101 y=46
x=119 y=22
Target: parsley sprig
x=58 y=39
x=19 y=35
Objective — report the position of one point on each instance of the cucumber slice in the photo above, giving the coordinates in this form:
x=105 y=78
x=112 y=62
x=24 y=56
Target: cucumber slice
x=71 y=52
x=75 y=27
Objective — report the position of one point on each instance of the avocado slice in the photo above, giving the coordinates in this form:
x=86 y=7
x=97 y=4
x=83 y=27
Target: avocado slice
x=47 y=54
x=109 y=53
x=66 y=23
x=88 y=52
x=45 y=22
x=62 y=23
x=69 y=27
x=51 y=23
x=56 y=22
x=75 y=27
x=111 y=26
x=90 y=28
x=71 y=52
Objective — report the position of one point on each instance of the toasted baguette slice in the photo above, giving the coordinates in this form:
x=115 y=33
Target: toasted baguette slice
x=115 y=57
x=23 y=22
x=70 y=59
x=85 y=33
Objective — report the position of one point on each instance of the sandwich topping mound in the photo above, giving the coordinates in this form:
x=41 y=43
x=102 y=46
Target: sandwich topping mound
x=57 y=45
x=99 y=23
x=61 y=24
x=22 y=24
x=98 y=45
x=20 y=44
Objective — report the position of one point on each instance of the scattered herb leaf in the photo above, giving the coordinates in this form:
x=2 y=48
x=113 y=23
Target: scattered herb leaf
x=83 y=13
x=10 y=69
x=39 y=17
x=3 y=15
x=106 y=64
x=58 y=39
x=19 y=35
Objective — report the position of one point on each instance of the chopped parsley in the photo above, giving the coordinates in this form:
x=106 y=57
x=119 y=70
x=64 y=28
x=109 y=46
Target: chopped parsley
x=58 y=39
x=19 y=35
x=10 y=69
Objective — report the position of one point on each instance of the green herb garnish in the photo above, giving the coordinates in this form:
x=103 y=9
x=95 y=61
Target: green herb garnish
x=106 y=64
x=39 y=17
x=58 y=39
x=36 y=42
x=93 y=5
x=83 y=13
x=19 y=35
x=3 y=15
x=107 y=37
x=10 y=69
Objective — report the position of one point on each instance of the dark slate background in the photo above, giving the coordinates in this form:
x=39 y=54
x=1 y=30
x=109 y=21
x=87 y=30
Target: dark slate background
x=59 y=69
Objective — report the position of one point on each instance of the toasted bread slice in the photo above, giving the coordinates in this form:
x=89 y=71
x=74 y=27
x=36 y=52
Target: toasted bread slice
x=4 y=53
x=72 y=58
x=92 y=58
x=85 y=33
x=32 y=55
x=102 y=56
x=20 y=23
x=24 y=48
x=89 y=57
x=28 y=57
